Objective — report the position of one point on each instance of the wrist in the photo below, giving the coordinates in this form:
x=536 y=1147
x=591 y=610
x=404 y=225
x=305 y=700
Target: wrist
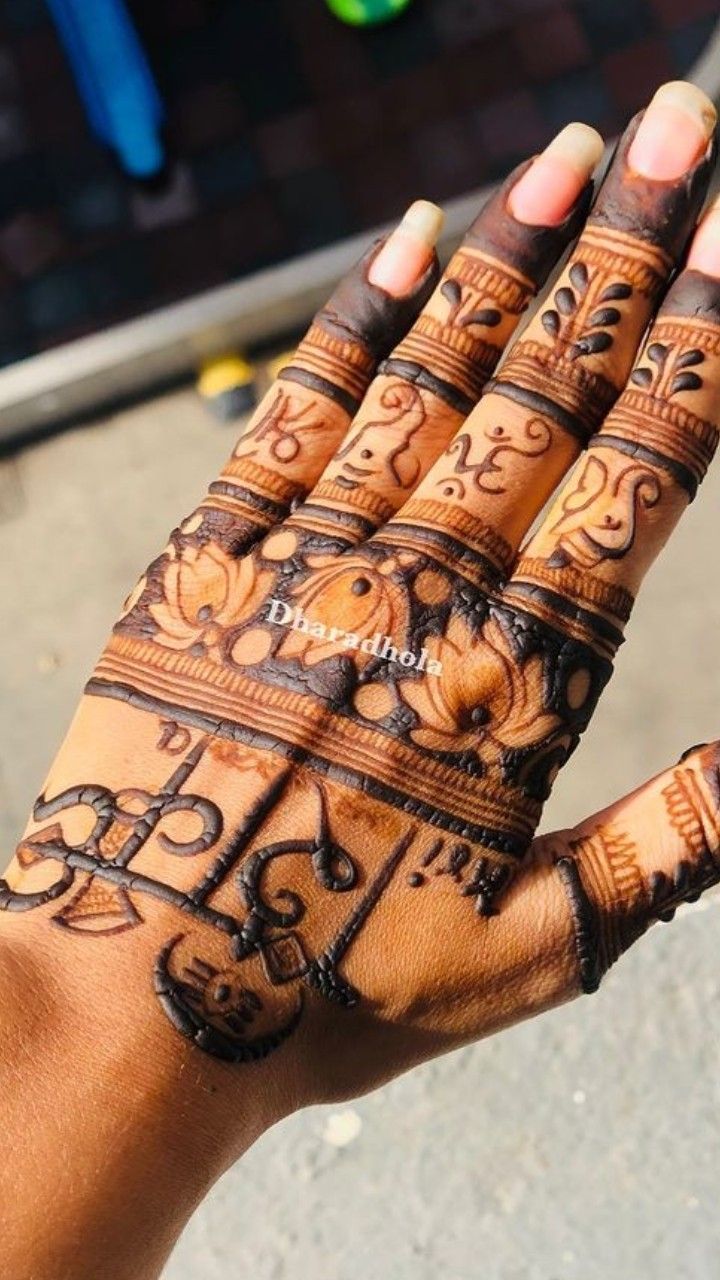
x=112 y=1129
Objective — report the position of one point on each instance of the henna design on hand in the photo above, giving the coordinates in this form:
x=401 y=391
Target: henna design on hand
x=613 y=892
x=508 y=705
x=212 y=1003
x=292 y=788
x=280 y=428
x=453 y=348
x=641 y=469
x=215 y=1010
x=600 y=938
x=598 y=518
x=491 y=473
x=385 y=445
x=583 y=330
x=464 y=310
x=505 y=712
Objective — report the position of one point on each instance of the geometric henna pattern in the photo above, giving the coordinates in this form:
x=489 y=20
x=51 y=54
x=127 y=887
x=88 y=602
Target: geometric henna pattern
x=611 y=901
x=600 y=937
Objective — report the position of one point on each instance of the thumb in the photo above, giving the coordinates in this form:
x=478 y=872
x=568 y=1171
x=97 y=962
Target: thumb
x=626 y=868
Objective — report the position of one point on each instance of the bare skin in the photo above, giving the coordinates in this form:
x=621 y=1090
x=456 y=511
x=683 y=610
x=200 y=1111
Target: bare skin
x=287 y=849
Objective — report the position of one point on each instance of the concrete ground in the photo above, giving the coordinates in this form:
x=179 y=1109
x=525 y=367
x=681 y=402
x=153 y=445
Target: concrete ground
x=583 y=1146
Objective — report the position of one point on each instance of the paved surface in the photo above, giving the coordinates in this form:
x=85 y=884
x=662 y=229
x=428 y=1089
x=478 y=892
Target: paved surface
x=583 y=1146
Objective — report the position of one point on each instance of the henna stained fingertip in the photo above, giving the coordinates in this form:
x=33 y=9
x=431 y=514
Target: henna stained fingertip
x=532 y=249
x=660 y=212
x=360 y=311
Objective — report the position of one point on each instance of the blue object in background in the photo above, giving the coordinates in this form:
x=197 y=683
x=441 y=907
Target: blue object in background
x=114 y=80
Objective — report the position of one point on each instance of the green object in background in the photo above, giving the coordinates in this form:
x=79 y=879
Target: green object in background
x=366 y=13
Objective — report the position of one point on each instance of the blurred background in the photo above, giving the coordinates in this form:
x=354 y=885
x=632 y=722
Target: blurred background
x=584 y=1145
x=284 y=137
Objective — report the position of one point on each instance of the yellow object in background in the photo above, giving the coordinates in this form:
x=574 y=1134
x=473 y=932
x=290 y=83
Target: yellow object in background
x=227 y=385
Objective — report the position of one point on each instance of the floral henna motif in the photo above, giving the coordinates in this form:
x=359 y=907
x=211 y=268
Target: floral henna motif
x=235 y=973
x=436 y=373
x=360 y=591
x=584 y=330
x=483 y=703
x=571 y=363
x=573 y=359
x=454 y=346
x=668 y=386
x=342 y=778
x=464 y=309
x=669 y=370
x=558 y=381
x=206 y=592
x=486 y=695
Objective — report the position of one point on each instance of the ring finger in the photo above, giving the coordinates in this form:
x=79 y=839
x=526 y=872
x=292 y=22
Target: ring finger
x=619 y=507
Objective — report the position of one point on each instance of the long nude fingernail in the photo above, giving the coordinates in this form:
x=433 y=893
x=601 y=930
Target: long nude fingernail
x=406 y=253
x=673 y=133
x=704 y=252
x=547 y=191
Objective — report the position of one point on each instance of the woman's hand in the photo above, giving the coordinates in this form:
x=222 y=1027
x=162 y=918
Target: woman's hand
x=290 y=818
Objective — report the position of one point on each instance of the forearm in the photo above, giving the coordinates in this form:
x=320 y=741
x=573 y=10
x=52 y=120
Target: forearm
x=111 y=1128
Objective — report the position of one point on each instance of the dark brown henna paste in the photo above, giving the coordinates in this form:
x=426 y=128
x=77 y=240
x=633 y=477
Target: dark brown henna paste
x=213 y=1003
x=585 y=925
x=532 y=250
x=216 y=1013
x=359 y=311
x=662 y=213
x=571 y=364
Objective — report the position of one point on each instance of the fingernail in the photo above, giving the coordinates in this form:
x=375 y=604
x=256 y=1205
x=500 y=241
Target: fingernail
x=406 y=253
x=673 y=133
x=548 y=190
x=704 y=252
